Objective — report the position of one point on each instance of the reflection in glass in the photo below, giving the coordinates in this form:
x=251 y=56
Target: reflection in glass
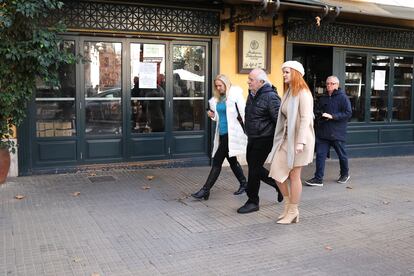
x=355 y=78
x=188 y=115
x=148 y=88
x=55 y=106
x=188 y=87
x=103 y=90
x=379 y=87
x=403 y=78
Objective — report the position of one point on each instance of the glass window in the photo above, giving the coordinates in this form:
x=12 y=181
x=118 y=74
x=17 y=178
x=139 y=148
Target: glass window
x=148 y=88
x=55 y=106
x=379 y=88
x=103 y=89
x=403 y=78
x=188 y=87
x=355 y=78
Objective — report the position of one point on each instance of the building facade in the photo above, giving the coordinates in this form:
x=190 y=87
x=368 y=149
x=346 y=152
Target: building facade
x=140 y=95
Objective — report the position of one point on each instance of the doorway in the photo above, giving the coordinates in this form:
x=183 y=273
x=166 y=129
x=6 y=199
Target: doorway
x=317 y=62
x=133 y=99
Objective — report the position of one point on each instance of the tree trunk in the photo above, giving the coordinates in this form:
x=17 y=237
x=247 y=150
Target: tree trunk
x=4 y=164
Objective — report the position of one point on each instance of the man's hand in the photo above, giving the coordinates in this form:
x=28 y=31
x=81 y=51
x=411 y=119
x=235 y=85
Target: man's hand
x=327 y=115
x=299 y=148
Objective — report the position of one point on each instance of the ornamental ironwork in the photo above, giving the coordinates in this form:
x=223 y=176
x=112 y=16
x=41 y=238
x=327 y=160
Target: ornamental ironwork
x=346 y=34
x=95 y=16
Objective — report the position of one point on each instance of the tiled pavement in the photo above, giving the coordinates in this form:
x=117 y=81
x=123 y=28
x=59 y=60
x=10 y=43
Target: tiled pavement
x=69 y=225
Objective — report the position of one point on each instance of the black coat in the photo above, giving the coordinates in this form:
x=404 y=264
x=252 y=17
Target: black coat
x=261 y=112
x=339 y=106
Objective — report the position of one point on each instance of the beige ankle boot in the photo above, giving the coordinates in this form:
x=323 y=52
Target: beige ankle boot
x=285 y=210
x=292 y=215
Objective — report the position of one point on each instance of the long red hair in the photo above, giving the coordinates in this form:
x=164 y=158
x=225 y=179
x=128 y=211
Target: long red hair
x=297 y=83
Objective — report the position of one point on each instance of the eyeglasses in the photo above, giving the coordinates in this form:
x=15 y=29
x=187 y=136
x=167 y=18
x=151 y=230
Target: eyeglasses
x=331 y=83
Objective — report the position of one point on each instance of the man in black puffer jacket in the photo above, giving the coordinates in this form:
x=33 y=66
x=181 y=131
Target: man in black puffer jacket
x=333 y=111
x=262 y=108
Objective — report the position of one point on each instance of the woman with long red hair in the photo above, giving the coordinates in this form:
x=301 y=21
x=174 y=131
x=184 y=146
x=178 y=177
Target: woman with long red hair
x=294 y=139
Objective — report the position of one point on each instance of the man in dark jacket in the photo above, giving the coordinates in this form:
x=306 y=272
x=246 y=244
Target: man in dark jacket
x=262 y=109
x=333 y=111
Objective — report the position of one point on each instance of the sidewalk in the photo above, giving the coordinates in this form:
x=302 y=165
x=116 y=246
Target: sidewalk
x=82 y=223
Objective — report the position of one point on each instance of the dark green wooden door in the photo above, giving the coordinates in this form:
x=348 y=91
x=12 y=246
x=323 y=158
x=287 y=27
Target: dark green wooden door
x=131 y=100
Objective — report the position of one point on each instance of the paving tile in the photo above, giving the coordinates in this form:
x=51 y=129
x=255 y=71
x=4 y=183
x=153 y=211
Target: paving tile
x=68 y=225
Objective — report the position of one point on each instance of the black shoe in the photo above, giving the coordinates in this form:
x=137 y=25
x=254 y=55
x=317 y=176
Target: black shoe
x=279 y=197
x=343 y=179
x=248 y=208
x=264 y=176
x=241 y=189
x=314 y=182
x=238 y=172
x=203 y=193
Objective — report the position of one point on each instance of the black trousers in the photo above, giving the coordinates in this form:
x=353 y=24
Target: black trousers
x=223 y=152
x=257 y=151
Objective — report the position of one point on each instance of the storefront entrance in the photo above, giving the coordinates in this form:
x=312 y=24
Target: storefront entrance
x=130 y=100
x=379 y=85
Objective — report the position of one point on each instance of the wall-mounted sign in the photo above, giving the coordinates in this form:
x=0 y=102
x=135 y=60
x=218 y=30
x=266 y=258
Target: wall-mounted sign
x=254 y=44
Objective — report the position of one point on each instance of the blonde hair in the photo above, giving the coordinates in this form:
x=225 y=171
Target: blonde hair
x=225 y=80
x=297 y=83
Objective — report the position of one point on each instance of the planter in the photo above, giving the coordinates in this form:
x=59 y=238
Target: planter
x=4 y=164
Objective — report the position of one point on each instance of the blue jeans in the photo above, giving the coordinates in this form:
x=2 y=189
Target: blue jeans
x=322 y=150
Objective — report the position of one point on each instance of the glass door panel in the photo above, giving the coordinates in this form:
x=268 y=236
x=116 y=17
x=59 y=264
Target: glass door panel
x=355 y=77
x=188 y=87
x=103 y=89
x=55 y=106
x=403 y=78
x=379 y=88
x=148 y=87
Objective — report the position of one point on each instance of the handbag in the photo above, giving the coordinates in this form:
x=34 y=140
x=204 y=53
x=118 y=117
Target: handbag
x=240 y=119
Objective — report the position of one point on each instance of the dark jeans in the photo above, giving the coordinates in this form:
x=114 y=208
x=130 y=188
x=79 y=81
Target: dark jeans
x=223 y=152
x=322 y=149
x=257 y=151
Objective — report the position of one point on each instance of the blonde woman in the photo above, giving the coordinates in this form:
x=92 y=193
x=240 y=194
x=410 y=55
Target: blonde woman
x=229 y=139
x=294 y=139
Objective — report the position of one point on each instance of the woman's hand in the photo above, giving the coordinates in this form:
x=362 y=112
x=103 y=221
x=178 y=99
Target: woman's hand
x=210 y=114
x=299 y=148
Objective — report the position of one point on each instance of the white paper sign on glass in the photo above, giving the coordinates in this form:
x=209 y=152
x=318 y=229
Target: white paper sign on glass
x=379 y=80
x=148 y=75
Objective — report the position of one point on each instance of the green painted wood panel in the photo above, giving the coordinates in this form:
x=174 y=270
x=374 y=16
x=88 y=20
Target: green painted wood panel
x=56 y=151
x=147 y=146
x=189 y=144
x=397 y=135
x=102 y=148
x=366 y=136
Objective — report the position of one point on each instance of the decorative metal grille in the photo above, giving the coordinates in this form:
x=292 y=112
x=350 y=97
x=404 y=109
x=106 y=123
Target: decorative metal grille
x=134 y=18
x=351 y=35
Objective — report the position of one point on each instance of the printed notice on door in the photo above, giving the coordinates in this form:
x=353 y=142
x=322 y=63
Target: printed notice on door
x=254 y=49
x=148 y=75
x=379 y=80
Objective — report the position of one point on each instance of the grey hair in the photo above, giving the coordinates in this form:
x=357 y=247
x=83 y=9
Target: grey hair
x=335 y=78
x=261 y=75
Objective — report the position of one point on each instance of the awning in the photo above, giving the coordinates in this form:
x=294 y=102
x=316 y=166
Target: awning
x=303 y=2
x=372 y=9
x=187 y=75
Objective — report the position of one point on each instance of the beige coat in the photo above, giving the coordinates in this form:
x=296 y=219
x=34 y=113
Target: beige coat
x=299 y=122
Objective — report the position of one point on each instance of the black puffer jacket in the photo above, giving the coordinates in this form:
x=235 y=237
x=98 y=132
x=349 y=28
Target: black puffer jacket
x=261 y=112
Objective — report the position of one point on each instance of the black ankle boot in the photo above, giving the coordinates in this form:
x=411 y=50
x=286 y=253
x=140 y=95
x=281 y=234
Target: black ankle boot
x=203 y=193
x=264 y=176
x=211 y=179
x=241 y=189
x=238 y=172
